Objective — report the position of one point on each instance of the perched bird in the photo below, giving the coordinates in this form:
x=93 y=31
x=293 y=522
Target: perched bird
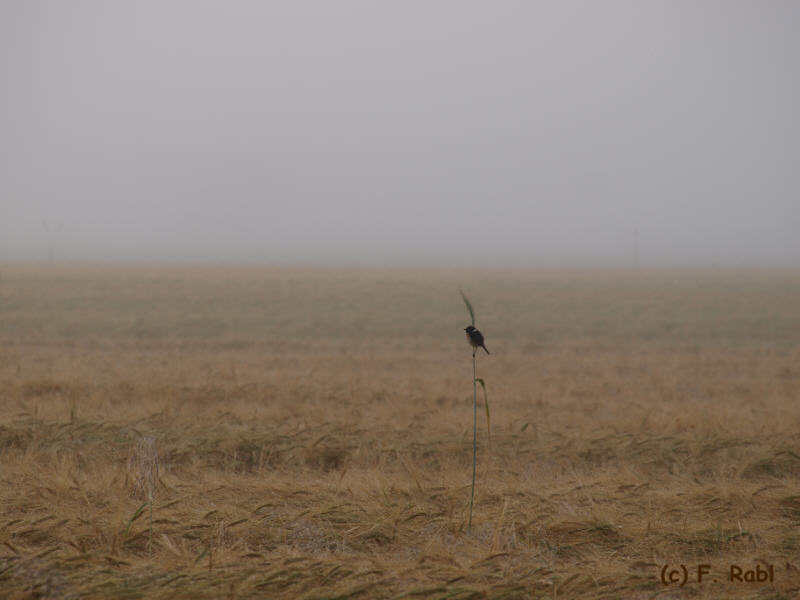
x=475 y=339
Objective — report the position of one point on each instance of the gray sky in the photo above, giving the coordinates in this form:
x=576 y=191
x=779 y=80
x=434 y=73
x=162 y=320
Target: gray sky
x=413 y=132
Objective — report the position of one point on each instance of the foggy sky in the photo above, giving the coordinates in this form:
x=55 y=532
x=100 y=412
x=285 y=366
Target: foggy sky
x=414 y=132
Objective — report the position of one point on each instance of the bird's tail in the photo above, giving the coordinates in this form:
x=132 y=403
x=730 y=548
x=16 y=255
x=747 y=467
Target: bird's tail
x=484 y=347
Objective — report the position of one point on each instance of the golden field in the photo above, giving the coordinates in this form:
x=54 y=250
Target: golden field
x=313 y=431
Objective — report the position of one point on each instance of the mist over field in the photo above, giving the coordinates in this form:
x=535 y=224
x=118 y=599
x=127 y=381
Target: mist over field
x=233 y=360
x=445 y=133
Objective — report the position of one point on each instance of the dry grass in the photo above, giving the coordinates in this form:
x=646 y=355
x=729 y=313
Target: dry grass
x=311 y=433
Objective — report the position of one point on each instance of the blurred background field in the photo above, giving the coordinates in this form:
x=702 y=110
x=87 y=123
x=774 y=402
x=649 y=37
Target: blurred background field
x=314 y=428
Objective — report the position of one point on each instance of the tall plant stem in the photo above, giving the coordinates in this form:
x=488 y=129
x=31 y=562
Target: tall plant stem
x=474 y=437
x=151 y=525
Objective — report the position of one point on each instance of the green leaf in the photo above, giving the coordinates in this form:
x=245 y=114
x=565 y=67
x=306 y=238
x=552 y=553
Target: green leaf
x=203 y=553
x=469 y=306
x=135 y=516
x=486 y=404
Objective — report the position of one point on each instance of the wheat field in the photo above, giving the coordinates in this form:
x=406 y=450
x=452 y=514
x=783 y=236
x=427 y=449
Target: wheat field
x=252 y=432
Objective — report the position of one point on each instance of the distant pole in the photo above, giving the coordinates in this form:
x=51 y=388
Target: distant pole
x=52 y=228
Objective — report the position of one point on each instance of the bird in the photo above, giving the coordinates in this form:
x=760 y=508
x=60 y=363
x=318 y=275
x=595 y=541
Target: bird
x=475 y=339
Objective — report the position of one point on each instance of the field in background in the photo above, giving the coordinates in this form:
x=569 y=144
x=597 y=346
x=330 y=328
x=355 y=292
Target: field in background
x=314 y=432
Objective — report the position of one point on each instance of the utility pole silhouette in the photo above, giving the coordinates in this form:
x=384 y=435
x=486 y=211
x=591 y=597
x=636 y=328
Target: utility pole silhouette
x=53 y=228
x=634 y=246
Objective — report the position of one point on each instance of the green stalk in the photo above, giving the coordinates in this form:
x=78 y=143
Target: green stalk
x=474 y=437
x=151 y=526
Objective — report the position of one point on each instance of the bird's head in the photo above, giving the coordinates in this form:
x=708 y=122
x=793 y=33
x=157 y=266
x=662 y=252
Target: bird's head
x=469 y=329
